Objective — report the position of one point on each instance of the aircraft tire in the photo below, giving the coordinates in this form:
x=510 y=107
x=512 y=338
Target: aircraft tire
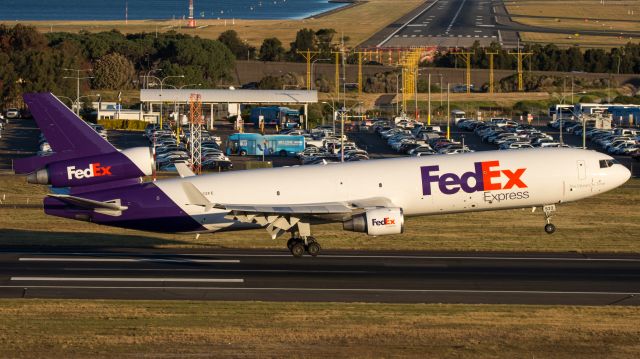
x=549 y=228
x=297 y=249
x=313 y=248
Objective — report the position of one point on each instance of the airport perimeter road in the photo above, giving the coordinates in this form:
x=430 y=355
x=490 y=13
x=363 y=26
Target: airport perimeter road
x=447 y=23
x=333 y=276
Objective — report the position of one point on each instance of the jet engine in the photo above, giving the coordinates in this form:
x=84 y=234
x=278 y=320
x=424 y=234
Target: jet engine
x=377 y=222
x=83 y=171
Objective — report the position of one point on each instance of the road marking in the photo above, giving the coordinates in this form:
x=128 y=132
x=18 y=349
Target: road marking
x=125 y=260
x=381 y=290
x=366 y=256
x=487 y=25
x=122 y=279
x=393 y=34
x=455 y=17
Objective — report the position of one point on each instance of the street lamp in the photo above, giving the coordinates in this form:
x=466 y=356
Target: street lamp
x=333 y=112
x=313 y=74
x=161 y=85
x=77 y=78
x=76 y=102
x=397 y=91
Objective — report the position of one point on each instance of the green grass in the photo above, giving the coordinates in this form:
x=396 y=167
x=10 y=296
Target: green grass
x=98 y=328
x=609 y=222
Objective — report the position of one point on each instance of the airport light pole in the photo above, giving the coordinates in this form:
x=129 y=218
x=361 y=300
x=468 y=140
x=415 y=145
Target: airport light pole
x=333 y=113
x=313 y=74
x=448 y=115
x=429 y=102
x=146 y=77
x=161 y=86
x=78 y=78
x=397 y=91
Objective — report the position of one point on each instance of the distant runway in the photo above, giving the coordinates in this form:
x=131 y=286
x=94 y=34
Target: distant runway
x=334 y=276
x=447 y=23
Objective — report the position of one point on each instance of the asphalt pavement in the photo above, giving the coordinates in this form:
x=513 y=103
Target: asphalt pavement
x=506 y=278
x=459 y=23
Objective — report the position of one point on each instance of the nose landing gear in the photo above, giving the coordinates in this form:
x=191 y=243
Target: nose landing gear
x=548 y=214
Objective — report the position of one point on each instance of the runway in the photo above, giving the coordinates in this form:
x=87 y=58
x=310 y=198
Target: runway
x=340 y=276
x=459 y=23
x=447 y=23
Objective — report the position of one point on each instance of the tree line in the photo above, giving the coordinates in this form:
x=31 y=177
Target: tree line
x=33 y=62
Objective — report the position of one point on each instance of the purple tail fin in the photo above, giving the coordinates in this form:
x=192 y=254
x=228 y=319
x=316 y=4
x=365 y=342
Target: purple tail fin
x=68 y=135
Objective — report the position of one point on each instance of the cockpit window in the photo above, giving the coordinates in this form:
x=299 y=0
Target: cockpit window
x=608 y=163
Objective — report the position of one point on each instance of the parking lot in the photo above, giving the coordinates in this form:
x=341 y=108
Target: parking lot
x=20 y=139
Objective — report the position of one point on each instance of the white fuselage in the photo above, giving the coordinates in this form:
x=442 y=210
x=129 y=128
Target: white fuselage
x=509 y=179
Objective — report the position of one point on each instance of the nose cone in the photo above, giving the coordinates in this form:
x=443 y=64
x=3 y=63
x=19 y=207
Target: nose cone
x=622 y=174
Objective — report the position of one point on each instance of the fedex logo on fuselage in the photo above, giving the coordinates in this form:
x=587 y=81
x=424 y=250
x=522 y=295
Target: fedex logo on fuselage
x=486 y=177
x=382 y=222
x=94 y=170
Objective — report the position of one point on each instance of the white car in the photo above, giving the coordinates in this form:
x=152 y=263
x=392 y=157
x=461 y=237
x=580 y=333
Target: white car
x=13 y=113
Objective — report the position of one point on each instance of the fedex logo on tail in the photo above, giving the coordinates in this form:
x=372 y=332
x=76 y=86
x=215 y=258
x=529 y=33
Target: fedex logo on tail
x=94 y=170
x=487 y=176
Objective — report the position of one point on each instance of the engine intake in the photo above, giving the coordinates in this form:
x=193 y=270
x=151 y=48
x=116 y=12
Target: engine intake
x=377 y=222
x=129 y=163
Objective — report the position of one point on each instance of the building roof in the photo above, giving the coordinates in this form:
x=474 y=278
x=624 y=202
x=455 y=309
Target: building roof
x=231 y=96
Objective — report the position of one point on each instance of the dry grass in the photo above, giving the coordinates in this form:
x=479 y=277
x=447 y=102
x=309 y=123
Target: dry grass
x=577 y=9
x=372 y=17
x=609 y=222
x=564 y=40
x=578 y=16
x=81 y=328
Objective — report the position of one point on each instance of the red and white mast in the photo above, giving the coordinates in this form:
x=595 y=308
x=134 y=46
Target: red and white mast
x=192 y=20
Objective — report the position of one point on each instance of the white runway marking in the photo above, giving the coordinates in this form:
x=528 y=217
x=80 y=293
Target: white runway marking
x=370 y=256
x=119 y=279
x=374 y=290
x=455 y=17
x=125 y=260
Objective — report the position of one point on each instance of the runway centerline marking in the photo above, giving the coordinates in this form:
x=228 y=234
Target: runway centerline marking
x=122 y=279
x=455 y=17
x=125 y=260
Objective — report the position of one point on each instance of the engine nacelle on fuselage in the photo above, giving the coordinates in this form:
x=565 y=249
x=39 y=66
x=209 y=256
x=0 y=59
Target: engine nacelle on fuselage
x=83 y=171
x=377 y=222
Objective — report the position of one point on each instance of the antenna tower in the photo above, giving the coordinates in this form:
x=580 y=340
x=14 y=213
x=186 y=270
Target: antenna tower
x=192 y=21
x=195 y=135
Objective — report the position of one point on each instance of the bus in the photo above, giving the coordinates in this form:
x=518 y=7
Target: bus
x=561 y=112
x=255 y=144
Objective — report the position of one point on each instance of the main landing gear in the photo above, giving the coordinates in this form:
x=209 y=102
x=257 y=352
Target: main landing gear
x=548 y=214
x=299 y=245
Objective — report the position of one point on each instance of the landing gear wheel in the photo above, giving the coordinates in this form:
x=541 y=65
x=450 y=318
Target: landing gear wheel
x=297 y=249
x=291 y=242
x=313 y=248
x=549 y=228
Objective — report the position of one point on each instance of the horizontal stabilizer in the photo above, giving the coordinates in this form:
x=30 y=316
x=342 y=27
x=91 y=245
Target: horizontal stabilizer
x=113 y=208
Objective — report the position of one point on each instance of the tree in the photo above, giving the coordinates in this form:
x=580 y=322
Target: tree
x=240 y=49
x=271 y=50
x=305 y=40
x=113 y=72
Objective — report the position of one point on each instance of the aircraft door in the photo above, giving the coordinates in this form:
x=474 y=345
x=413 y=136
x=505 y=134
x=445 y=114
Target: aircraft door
x=582 y=170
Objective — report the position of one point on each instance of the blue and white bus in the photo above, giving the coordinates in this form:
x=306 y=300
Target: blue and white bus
x=255 y=144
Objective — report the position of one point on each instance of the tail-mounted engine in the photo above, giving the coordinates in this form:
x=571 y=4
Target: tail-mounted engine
x=377 y=222
x=126 y=164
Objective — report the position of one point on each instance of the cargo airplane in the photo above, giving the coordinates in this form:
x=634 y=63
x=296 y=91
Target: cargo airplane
x=93 y=181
